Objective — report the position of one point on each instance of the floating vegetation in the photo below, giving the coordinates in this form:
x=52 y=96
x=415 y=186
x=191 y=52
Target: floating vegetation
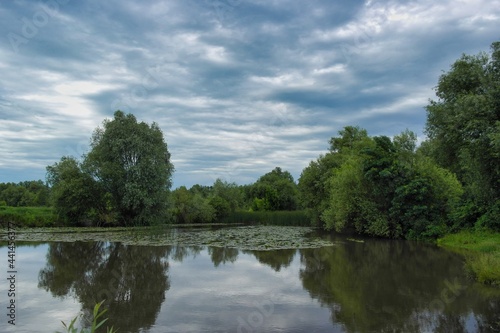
x=355 y=240
x=242 y=237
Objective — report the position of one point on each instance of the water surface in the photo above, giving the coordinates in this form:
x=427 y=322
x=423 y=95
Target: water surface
x=352 y=286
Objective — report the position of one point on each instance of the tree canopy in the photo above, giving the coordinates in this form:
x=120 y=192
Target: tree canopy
x=126 y=175
x=463 y=126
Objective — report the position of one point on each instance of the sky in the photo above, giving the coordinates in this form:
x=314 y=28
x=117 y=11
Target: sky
x=238 y=87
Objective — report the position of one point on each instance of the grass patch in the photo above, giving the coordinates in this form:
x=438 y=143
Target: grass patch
x=28 y=216
x=297 y=218
x=482 y=253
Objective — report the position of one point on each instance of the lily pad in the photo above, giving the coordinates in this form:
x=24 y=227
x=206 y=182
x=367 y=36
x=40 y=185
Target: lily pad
x=241 y=237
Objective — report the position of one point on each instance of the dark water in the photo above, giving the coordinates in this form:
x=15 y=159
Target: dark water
x=374 y=286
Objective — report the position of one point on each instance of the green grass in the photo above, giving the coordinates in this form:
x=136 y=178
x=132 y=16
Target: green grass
x=281 y=218
x=482 y=253
x=28 y=216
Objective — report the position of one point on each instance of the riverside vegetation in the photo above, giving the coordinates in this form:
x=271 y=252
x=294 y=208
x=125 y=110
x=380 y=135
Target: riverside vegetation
x=369 y=185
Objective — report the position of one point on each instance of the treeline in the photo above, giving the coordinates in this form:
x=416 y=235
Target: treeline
x=24 y=194
x=387 y=187
x=380 y=187
x=274 y=191
x=375 y=185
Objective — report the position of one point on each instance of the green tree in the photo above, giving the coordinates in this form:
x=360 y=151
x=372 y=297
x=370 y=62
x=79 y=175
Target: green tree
x=192 y=207
x=381 y=187
x=463 y=126
x=276 y=190
x=230 y=192
x=131 y=161
x=76 y=196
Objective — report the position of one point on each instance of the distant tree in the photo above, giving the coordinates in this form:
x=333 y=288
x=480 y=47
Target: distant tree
x=191 y=207
x=26 y=193
x=276 y=190
x=131 y=161
x=229 y=192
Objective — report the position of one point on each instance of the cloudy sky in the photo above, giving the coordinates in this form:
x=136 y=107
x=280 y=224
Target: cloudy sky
x=237 y=86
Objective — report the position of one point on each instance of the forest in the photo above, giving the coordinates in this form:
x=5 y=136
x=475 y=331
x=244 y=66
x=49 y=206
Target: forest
x=391 y=187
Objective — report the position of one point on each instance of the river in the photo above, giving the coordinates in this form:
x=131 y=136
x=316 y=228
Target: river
x=352 y=285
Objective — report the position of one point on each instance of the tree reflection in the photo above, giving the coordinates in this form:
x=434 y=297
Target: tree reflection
x=391 y=286
x=276 y=259
x=221 y=255
x=132 y=279
x=179 y=253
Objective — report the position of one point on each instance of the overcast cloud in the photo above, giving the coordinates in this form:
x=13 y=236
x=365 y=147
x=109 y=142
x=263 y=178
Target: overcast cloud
x=237 y=86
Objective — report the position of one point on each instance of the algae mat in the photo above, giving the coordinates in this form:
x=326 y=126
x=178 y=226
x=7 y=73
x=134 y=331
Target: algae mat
x=242 y=237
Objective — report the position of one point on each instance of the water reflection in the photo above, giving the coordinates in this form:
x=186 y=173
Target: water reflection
x=275 y=259
x=133 y=280
x=391 y=286
x=370 y=286
x=222 y=255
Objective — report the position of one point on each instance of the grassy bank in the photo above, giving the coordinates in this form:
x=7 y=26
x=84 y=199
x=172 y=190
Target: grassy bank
x=482 y=253
x=28 y=216
x=281 y=218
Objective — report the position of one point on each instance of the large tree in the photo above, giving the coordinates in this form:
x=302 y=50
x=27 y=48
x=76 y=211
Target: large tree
x=132 y=162
x=124 y=178
x=463 y=126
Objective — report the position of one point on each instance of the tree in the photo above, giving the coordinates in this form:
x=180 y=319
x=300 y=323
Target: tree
x=463 y=126
x=131 y=161
x=315 y=187
x=276 y=190
x=191 y=207
x=76 y=196
x=229 y=192
x=379 y=187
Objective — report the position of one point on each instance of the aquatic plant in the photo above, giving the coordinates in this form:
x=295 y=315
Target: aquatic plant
x=97 y=314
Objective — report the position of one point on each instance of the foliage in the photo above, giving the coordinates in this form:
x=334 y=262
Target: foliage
x=29 y=216
x=463 y=127
x=124 y=179
x=131 y=161
x=483 y=253
x=230 y=193
x=97 y=313
x=276 y=190
x=379 y=187
x=76 y=196
x=25 y=194
x=192 y=207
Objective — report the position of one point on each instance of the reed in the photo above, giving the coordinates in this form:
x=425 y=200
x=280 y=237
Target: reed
x=280 y=218
x=97 y=314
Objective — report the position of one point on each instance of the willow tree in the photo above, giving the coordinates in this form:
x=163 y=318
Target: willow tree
x=132 y=163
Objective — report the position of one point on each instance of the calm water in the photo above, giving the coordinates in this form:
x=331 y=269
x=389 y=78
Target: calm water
x=374 y=286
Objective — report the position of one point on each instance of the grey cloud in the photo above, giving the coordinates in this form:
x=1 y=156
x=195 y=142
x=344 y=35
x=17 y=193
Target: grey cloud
x=238 y=87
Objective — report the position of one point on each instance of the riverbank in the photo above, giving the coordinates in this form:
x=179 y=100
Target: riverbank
x=46 y=217
x=482 y=253
x=29 y=216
